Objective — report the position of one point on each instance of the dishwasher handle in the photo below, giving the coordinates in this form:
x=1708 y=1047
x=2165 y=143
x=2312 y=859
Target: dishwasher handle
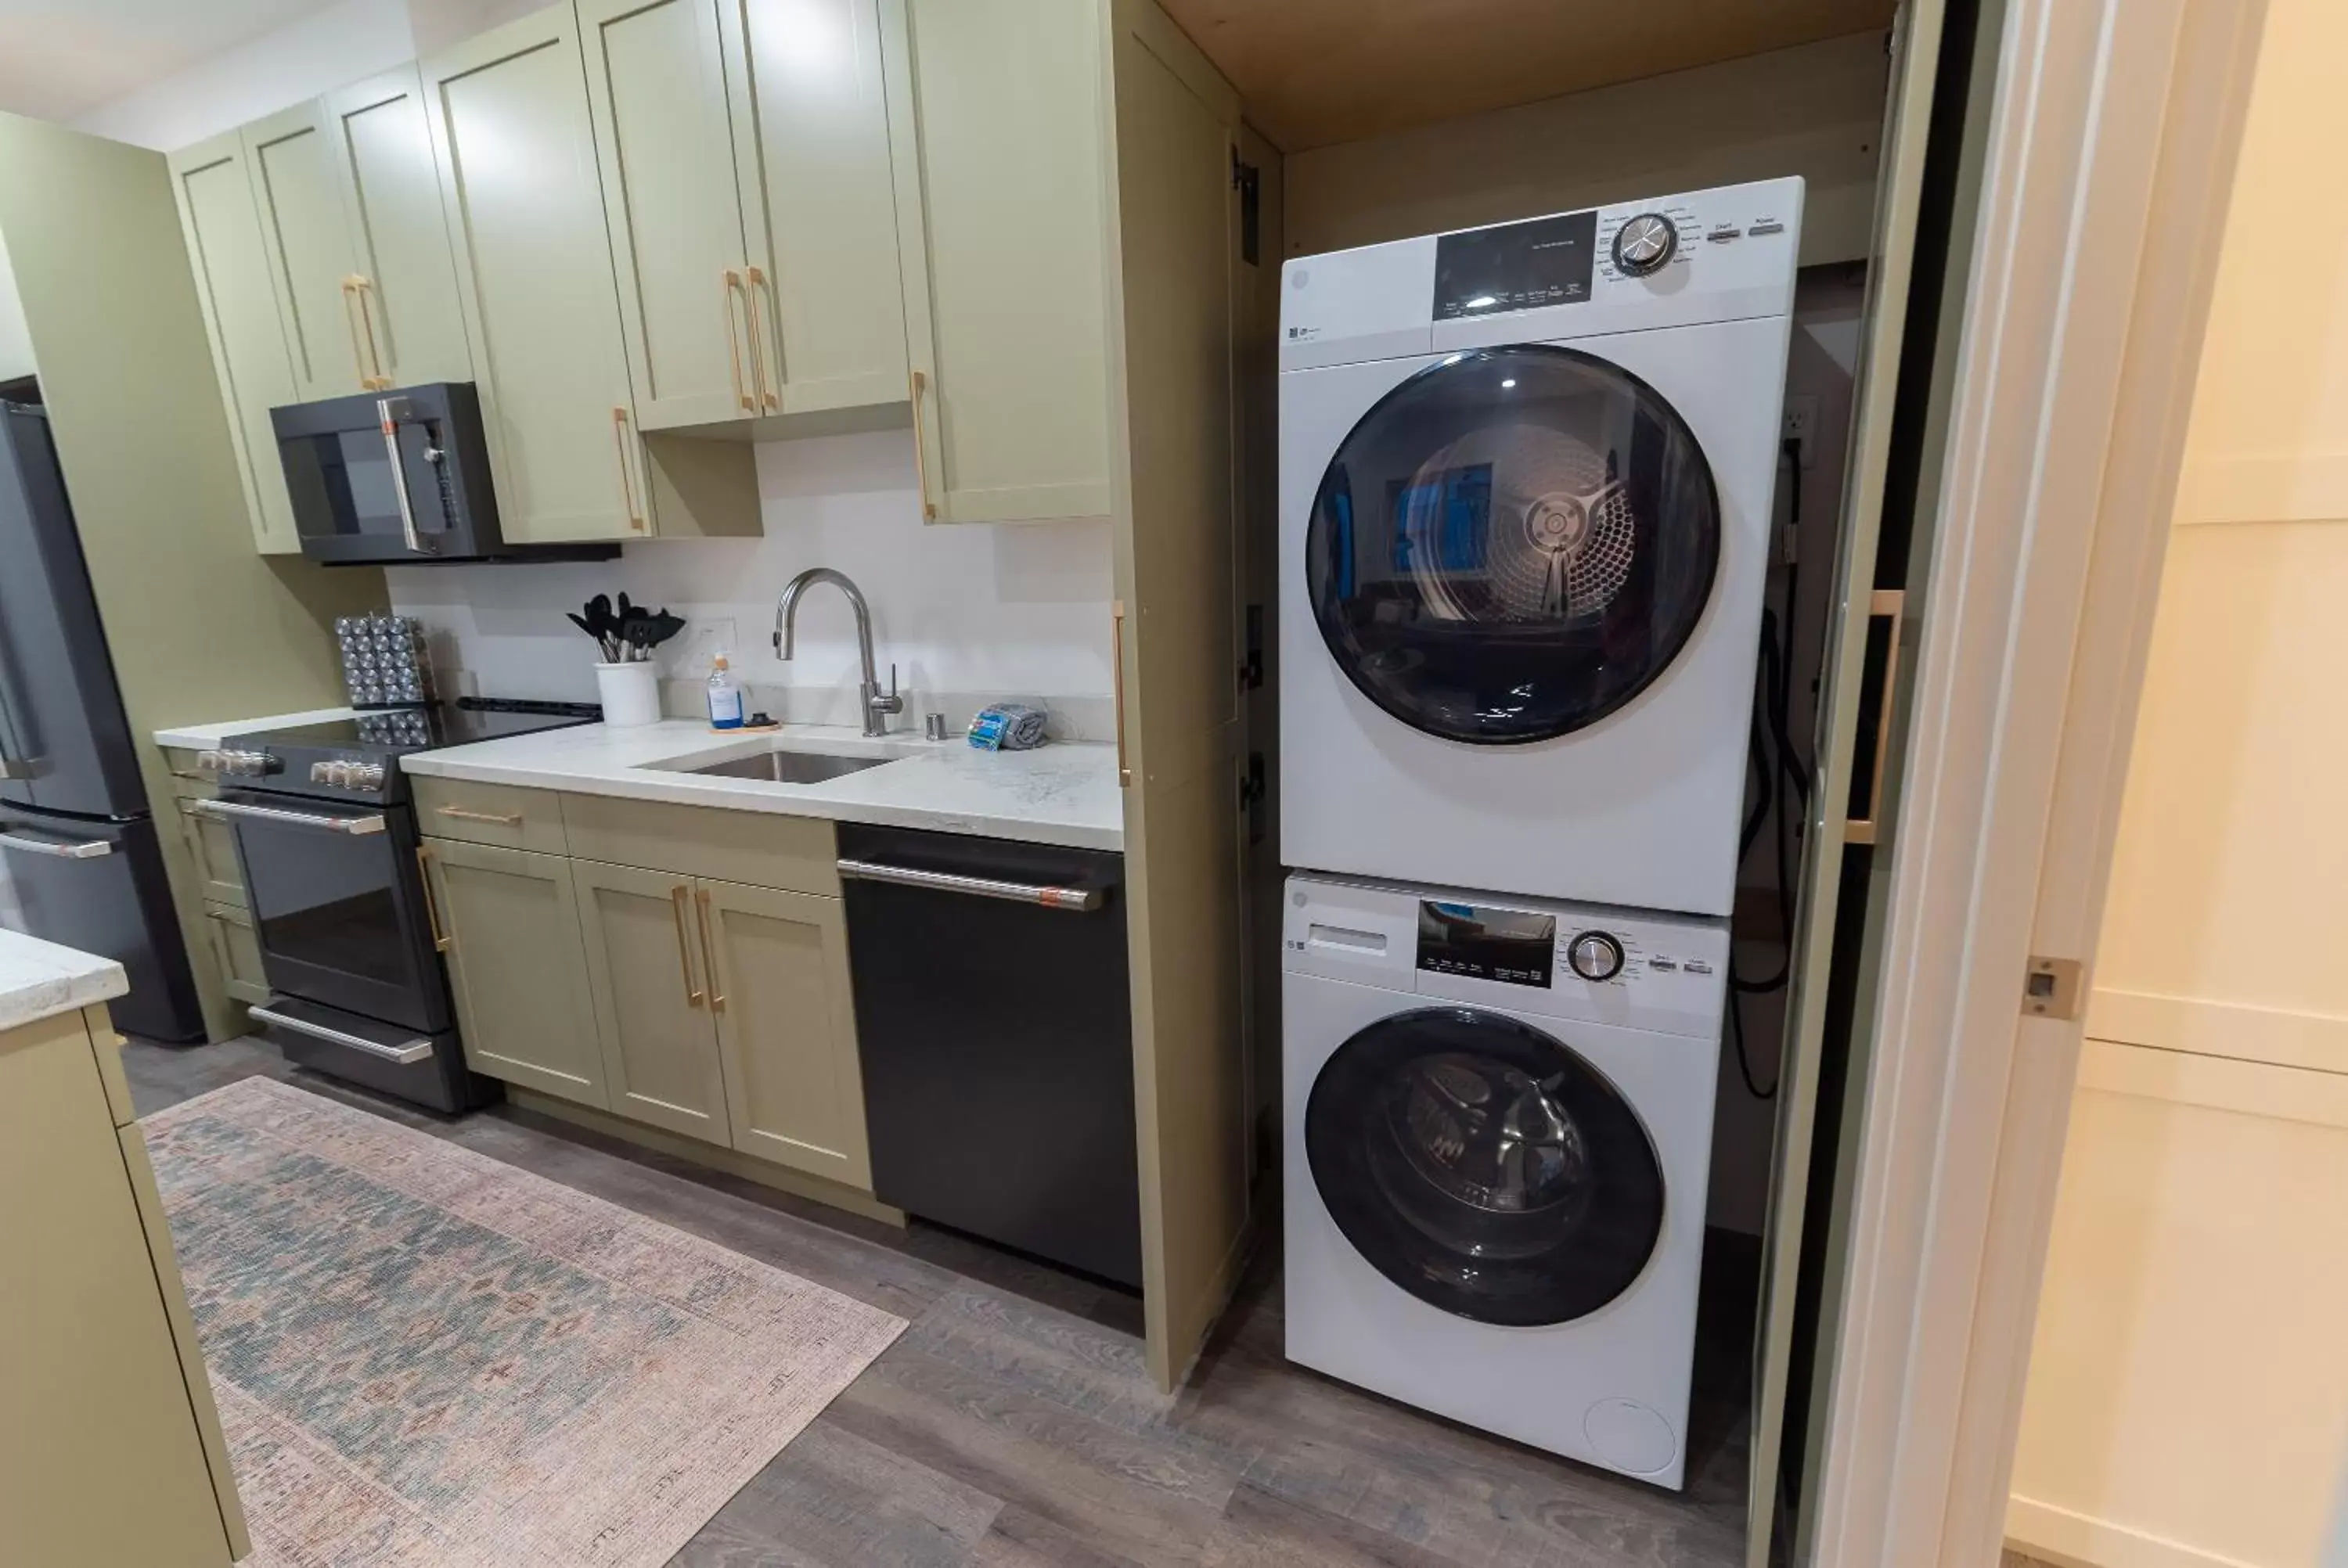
x=1079 y=901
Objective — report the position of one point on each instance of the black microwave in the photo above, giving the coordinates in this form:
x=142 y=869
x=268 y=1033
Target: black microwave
x=399 y=476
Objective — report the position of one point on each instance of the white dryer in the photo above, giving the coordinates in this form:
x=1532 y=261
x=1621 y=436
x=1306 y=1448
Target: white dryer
x=1498 y=1129
x=1525 y=489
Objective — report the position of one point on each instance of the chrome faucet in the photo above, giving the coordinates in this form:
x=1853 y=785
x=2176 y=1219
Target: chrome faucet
x=876 y=704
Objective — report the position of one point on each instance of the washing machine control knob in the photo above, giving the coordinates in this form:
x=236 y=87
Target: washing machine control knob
x=1644 y=244
x=1594 y=956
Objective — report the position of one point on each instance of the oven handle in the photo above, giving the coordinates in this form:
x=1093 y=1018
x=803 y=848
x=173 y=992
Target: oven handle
x=229 y=809
x=415 y=1050
x=1078 y=898
x=90 y=850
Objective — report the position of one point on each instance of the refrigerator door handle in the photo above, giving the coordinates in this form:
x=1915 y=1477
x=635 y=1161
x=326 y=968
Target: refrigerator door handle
x=14 y=769
x=90 y=850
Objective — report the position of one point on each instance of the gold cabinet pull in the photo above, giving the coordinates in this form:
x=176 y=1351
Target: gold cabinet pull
x=921 y=458
x=431 y=908
x=1117 y=684
x=683 y=949
x=352 y=309
x=1890 y=604
x=365 y=286
x=497 y=819
x=620 y=448
x=708 y=949
x=766 y=398
x=731 y=284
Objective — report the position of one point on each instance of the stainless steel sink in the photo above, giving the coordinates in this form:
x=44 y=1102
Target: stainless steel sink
x=789 y=768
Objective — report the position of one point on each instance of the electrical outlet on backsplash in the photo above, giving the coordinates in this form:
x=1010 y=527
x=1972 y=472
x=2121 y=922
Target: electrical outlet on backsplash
x=695 y=652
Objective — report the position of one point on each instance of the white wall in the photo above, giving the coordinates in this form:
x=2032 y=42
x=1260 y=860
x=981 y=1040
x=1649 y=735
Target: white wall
x=16 y=336
x=967 y=611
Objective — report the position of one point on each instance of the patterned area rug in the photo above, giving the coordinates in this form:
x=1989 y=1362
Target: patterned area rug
x=425 y=1357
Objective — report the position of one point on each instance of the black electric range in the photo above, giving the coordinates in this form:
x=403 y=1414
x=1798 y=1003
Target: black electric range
x=343 y=894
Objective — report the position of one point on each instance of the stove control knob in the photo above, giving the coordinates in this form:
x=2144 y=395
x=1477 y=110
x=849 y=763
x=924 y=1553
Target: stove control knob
x=208 y=761
x=1594 y=956
x=249 y=764
x=1644 y=244
x=319 y=771
x=338 y=774
x=367 y=775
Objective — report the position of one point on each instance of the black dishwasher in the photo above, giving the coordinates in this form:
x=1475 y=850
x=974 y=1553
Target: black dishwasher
x=996 y=1034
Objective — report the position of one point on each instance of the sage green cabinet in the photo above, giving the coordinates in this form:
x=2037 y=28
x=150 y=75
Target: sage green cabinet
x=404 y=275
x=222 y=223
x=211 y=844
x=779 y=988
x=509 y=919
x=291 y=158
x=997 y=134
x=653 y=998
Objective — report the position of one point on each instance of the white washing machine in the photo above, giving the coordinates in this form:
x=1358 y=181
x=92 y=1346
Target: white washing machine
x=1499 y=1128
x=1525 y=487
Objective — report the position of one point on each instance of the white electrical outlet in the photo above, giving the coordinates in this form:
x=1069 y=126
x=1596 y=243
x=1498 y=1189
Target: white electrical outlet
x=696 y=652
x=1801 y=426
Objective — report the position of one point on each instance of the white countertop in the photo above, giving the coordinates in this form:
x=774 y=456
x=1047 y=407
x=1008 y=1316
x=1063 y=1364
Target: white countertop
x=1065 y=793
x=40 y=979
x=209 y=737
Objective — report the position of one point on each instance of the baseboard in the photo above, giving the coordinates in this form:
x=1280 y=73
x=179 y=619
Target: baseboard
x=2069 y=1540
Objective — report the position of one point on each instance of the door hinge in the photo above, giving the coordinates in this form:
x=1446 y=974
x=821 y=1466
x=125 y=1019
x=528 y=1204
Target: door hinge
x=1248 y=181
x=2053 y=987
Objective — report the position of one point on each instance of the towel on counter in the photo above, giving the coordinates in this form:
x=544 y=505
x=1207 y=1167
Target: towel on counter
x=1007 y=727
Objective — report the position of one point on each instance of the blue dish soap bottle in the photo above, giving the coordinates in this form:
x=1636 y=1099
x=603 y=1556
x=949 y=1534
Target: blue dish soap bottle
x=725 y=697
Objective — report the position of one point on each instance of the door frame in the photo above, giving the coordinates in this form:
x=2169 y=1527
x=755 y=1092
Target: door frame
x=2108 y=167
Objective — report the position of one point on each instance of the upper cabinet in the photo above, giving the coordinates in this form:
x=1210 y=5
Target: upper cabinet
x=232 y=272
x=997 y=135
x=290 y=162
x=403 y=282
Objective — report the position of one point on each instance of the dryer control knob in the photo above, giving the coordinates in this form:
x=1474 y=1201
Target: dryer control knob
x=1594 y=956
x=1644 y=244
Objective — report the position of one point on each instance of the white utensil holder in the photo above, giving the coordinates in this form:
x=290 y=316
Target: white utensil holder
x=630 y=693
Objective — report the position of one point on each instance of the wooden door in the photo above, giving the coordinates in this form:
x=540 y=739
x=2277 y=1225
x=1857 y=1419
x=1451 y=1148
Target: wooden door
x=995 y=133
x=405 y=278
x=811 y=151
x=292 y=162
x=222 y=226
x=786 y=1028
x=525 y=211
x=511 y=918
x=656 y=84
x=653 y=1002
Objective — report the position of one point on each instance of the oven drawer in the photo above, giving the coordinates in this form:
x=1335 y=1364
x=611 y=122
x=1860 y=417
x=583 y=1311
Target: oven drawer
x=502 y=815
x=794 y=853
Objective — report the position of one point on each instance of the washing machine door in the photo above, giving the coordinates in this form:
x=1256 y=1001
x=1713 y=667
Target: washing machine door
x=1512 y=544
x=1484 y=1166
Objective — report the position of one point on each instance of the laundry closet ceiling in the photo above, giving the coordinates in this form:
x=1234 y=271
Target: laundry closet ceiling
x=1316 y=72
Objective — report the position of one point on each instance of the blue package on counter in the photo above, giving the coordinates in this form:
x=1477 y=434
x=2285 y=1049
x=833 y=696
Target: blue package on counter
x=1007 y=727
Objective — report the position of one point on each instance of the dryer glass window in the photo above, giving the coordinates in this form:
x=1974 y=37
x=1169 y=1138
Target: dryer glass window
x=1485 y=1167
x=1512 y=544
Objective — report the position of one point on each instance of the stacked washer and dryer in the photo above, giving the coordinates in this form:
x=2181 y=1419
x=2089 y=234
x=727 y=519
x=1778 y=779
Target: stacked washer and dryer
x=1524 y=508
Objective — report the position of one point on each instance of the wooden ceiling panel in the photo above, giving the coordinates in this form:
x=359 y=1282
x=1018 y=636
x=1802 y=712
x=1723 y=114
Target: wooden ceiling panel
x=1316 y=72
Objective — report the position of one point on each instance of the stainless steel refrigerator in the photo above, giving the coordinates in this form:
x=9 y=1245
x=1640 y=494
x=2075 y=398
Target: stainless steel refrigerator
x=77 y=839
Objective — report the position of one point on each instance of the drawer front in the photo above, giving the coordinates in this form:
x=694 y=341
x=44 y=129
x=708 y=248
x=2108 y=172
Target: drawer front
x=758 y=847
x=212 y=844
x=502 y=815
x=237 y=946
x=188 y=781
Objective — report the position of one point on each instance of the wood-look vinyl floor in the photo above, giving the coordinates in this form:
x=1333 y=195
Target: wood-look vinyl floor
x=1013 y=1424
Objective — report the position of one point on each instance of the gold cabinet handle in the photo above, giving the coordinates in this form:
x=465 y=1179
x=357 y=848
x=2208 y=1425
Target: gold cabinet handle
x=921 y=459
x=730 y=285
x=620 y=448
x=1891 y=604
x=367 y=319
x=766 y=398
x=351 y=311
x=431 y=908
x=708 y=949
x=1117 y=684
x=683 y=950
x=497 y=819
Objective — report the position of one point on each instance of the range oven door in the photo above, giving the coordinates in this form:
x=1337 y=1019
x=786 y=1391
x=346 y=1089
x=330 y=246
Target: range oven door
x=337 y=901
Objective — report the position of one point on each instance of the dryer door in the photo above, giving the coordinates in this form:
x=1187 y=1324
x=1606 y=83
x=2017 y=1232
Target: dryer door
x=1512 y=544
x=1484 y=1166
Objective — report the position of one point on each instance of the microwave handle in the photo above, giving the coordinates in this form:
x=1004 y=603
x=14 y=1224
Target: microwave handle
x=391 y=413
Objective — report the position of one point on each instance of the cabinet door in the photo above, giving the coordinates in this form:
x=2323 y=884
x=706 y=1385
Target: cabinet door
x=406 y=274
x=997 y=131
x=812 y=150
x=236 y=947
x=518 y=968
x=786 y=1028
x=525 y=213
x=652 y=997
x=211 y=844
x=301 y=227
x=222 y=226
x=657 y=82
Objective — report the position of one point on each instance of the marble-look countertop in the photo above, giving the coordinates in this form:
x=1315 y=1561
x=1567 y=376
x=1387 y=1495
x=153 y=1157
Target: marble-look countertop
x=1065 y=793
x=209 y=737
x=40 y=979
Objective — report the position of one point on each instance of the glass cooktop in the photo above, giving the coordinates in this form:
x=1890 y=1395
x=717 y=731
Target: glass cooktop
x=435 y=724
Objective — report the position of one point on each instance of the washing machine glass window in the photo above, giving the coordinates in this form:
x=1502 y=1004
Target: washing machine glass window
x=1512 y=544
x=1484 y=1166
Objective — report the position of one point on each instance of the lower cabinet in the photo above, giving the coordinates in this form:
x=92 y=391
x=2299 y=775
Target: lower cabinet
x=510 y=920
x=236 y=947
x=652 y=999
